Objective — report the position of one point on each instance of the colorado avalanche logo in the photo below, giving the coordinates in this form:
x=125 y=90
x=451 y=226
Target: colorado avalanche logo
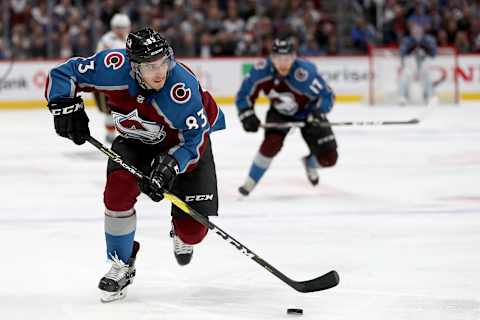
x=179 y=93
x=284 y=102
x=133 y=127
x=114 y=60
x=301 y=74
x=260 y=64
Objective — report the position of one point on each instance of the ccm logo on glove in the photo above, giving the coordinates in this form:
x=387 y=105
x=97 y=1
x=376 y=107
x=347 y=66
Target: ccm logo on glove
x=67 y=110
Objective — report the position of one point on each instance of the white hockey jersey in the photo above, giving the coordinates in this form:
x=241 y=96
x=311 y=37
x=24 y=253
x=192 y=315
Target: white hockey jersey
x=111 y=41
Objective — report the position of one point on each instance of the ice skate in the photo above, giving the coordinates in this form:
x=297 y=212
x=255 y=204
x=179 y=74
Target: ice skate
x=183 y=252
x=247 y=187
x=243 y=191
x=115 y=282
x=311 y=172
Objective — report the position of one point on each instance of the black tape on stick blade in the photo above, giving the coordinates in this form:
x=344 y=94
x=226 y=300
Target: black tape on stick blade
x=295 y=311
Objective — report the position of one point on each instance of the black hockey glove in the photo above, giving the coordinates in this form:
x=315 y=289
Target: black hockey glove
x=70 y=119
x=316 y=117
x=163 y=170
x=249 y=120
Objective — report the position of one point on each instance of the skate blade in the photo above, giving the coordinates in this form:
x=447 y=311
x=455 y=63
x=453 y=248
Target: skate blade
x=107 y=297
x=313 y=179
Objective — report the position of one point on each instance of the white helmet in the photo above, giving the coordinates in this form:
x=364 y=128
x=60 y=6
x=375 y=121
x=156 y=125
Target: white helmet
x=120 y=20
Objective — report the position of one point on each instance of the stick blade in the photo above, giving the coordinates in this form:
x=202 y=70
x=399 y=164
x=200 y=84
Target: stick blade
x=414 y=121
x=326 y=281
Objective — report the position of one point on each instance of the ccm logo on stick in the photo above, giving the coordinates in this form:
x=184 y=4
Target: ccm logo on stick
x=199 y=197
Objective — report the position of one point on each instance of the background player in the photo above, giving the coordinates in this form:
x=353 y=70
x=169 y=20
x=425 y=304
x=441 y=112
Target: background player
x=164 y=119
x=113 y=39
x=297 y=92
x=416 y=53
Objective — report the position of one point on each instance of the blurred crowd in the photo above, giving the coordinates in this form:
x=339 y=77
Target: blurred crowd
x=206 y=28
x=195 y=28
x=452 y=22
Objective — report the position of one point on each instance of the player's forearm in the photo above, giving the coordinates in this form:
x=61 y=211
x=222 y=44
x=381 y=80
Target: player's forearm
x=325 y=103
x=60 y=85
x=185 y=157
x=247 y=94
x=189 y=152
x=243 y=101
x=326 y=99
x=243 y=106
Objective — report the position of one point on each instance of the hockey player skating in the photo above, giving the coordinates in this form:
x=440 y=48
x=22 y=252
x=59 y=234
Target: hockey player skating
x=296 y=92
x=164 y=119
x=113 y=39
x=416 y=52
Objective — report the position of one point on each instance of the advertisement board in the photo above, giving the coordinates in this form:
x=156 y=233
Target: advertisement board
x=22 y=82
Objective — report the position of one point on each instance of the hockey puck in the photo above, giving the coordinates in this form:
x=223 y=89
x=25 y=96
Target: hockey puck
x=297 y=312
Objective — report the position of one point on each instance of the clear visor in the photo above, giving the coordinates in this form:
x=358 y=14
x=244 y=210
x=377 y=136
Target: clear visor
x=283 y=58
x=160 y=65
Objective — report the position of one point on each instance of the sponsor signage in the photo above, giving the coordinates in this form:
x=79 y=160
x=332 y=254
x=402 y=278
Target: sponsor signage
x=22 y=82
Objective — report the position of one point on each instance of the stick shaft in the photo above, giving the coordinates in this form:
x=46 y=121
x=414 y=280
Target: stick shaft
x=321 y=283
x=301 y=124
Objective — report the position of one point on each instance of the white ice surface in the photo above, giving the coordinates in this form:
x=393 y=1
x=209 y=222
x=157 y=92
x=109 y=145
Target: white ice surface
x=398 y=217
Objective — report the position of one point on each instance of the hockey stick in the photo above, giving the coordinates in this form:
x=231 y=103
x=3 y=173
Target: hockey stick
x=432 y=104
x=301 y=124
x=326 y=281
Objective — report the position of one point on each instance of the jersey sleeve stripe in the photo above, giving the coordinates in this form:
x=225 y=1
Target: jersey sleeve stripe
x=73 y=88
x=210 y=107
x=179 y=145
x=48 y=87
x=199 y=151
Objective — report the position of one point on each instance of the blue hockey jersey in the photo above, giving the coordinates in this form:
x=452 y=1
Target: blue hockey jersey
x=179 y=117
x=427 y=46
x=296 y=95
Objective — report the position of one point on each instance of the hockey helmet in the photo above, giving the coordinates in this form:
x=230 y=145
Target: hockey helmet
x=282 y=46
x=120 y=20
x=147 y=45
